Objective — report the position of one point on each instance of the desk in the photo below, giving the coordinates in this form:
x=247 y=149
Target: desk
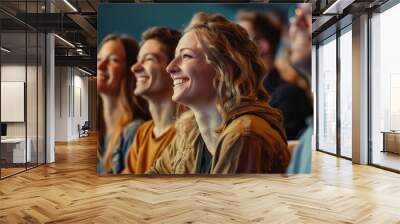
x=391 y=141
x=15 y=148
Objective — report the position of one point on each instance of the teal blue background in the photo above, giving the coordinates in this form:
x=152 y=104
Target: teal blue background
x=135 y=18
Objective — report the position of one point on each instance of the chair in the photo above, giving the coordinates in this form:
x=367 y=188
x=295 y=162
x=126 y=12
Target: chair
x=84 y=130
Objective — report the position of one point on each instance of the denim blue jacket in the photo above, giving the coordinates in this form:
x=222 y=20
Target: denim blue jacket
x=301 y=158
x=121 y=150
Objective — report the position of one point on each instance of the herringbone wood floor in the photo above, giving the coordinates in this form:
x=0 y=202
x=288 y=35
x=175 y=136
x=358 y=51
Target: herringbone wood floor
x=9 y=171
x=69 y=191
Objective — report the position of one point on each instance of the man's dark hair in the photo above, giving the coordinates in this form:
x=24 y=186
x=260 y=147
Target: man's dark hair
x=168 y=37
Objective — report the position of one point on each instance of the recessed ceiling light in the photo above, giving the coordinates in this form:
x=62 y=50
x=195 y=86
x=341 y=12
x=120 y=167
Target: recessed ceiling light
x=64 y=40
x=337 y=7
x=70 y=5
x=5 y=50
x=84 y=71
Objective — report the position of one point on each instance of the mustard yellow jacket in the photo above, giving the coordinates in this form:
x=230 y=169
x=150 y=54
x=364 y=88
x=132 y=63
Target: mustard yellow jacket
x=252 y=141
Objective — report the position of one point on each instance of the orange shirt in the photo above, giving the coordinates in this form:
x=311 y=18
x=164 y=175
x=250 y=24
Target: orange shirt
x=146 y=149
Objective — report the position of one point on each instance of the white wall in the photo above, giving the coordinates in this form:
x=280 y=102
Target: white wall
x=61 y=103
x=71 y=94
x=13 y=72
x=85 y=98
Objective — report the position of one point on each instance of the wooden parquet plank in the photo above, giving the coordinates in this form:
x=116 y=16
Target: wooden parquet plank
x=69 y=191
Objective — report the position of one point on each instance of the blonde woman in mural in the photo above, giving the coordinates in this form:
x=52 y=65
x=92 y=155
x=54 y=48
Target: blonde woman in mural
x=230 y=128
x=121 y=112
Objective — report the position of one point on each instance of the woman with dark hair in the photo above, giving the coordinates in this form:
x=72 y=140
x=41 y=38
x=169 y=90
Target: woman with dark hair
x=291 y=99
x=218 y=74
x=121 y=112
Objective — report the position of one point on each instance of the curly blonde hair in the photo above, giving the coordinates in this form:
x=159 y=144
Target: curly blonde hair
x=236 y=60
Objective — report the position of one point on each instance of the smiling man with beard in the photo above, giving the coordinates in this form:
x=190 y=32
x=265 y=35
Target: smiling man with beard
x=156 y=87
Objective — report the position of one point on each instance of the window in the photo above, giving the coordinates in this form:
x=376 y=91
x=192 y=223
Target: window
x=346 y=92
x=385 y=89
x=327 y=96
